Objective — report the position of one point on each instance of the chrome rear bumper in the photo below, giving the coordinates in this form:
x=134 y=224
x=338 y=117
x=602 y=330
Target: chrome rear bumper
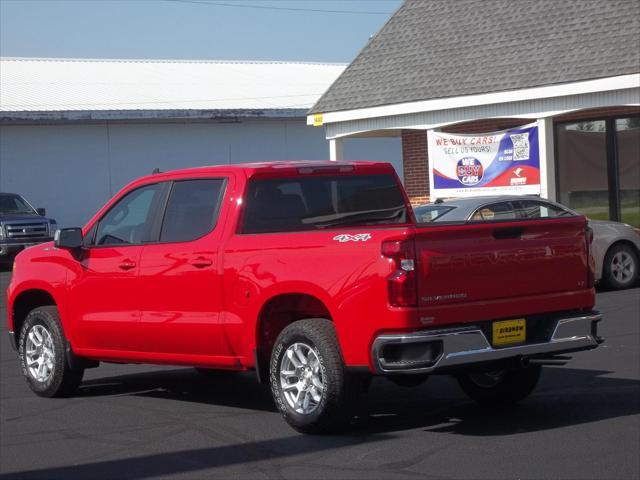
x=469 y=345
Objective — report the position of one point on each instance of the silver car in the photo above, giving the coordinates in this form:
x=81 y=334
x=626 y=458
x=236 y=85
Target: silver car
x=616 y=246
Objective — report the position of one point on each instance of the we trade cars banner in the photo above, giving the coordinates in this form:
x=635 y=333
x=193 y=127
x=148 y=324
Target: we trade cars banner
x=484 y=164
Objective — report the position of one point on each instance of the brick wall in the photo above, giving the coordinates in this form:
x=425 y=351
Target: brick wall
x=415 y=165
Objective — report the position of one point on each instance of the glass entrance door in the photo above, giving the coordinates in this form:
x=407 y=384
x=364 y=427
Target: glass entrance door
x=598 y=167
x=582 y=167
x=628 y=156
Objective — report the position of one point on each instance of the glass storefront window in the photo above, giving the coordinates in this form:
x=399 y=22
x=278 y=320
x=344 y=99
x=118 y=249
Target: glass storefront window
x=628 y=149
x=582 y=167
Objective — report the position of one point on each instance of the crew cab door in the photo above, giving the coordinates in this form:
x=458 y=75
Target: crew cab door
x=502 y=262
x=180 y=286
x=104 y=296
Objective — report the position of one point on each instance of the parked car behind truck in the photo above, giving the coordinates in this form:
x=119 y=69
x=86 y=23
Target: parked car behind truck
x=315 y=275
x=21 y=225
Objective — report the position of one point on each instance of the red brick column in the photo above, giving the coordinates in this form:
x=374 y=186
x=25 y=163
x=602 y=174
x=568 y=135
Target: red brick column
x=415 y=165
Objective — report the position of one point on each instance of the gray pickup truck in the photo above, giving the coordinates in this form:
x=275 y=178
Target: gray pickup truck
x=21 y=225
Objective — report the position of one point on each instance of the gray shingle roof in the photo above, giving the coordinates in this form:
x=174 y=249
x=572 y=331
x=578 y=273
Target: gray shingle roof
x=445 y=48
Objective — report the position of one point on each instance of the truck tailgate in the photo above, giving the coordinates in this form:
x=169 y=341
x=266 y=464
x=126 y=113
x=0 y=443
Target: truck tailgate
x=487 y=270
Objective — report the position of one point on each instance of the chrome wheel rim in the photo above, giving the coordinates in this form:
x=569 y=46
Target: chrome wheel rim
x=487 y=379
x=622 y=267
x=301 y=378
x=40 y=353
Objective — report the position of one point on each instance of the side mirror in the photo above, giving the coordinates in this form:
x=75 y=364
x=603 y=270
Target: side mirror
x=68 y=238
x=41 y=211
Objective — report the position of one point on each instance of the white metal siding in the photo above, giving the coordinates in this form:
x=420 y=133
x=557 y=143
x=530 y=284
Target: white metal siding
x=71 y=170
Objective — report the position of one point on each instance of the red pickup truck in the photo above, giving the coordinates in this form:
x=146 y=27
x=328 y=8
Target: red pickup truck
x=315 y=275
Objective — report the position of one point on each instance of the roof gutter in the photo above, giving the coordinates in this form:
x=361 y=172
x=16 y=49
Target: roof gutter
x=145 y=116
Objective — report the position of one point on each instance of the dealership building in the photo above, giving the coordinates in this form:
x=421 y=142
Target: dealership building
x=73 y=131
x=571 y=69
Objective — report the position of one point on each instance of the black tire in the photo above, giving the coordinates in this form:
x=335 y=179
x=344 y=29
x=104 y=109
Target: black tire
x=332 y=412
x=62 y=380
x=500 y=387
x=615 y=275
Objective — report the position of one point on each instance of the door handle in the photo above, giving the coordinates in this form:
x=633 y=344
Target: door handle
x=202 y=262
x=127 y=265
x=509 y=232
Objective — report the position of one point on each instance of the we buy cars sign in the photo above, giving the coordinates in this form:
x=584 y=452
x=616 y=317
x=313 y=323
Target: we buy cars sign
x=506 y=162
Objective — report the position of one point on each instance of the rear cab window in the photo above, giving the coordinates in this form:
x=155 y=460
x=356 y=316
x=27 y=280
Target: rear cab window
x=322 y=201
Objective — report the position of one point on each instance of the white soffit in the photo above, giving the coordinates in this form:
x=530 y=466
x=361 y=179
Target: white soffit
x=550 y=91
x=526 y=110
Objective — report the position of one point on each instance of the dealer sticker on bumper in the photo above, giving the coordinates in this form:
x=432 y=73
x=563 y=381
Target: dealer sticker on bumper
x=508 y=332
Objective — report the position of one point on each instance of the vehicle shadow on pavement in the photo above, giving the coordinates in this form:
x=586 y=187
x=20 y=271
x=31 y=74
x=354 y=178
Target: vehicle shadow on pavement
x=565 y=397
x=227 y=388
x=193 y=461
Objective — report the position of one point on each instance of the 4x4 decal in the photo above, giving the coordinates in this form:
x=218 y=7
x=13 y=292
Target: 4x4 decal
x=347 y=237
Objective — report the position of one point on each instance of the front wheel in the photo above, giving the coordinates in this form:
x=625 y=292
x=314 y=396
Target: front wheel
x=42 y=349
x=308 y=379
x=500 y=387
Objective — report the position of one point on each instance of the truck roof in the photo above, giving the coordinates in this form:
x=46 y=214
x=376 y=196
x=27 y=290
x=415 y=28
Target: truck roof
x=285 y=167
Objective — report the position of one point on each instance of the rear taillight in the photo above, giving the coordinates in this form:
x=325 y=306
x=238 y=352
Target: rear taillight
x=403 y=290
x=591 y=274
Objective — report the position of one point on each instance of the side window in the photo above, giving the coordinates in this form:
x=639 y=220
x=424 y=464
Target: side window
x=533 y=209
x=192 y=209
x=495 y=212
x=128 y=221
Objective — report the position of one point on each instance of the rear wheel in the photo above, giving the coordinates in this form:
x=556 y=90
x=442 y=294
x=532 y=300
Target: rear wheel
x=42 y=348
x=500 y=386
x=308 y=379
x=620 y=269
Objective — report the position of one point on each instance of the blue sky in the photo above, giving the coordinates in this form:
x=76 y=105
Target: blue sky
x=190 y=29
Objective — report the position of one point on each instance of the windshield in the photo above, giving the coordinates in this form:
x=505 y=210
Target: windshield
x=14 y=205
x=310 y=203
x=429 y=213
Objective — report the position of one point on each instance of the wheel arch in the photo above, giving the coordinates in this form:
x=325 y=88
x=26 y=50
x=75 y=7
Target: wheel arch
x=622 y=241
x=26 y=301
x=278 y=312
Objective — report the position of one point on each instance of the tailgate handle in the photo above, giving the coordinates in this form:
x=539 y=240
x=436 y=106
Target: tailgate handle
x=509 y=232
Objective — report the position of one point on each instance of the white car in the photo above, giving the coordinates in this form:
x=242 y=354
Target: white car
x=616 y=246
x=616 y=250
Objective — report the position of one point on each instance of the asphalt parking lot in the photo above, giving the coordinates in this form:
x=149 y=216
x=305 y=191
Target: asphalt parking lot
x=141 y=422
